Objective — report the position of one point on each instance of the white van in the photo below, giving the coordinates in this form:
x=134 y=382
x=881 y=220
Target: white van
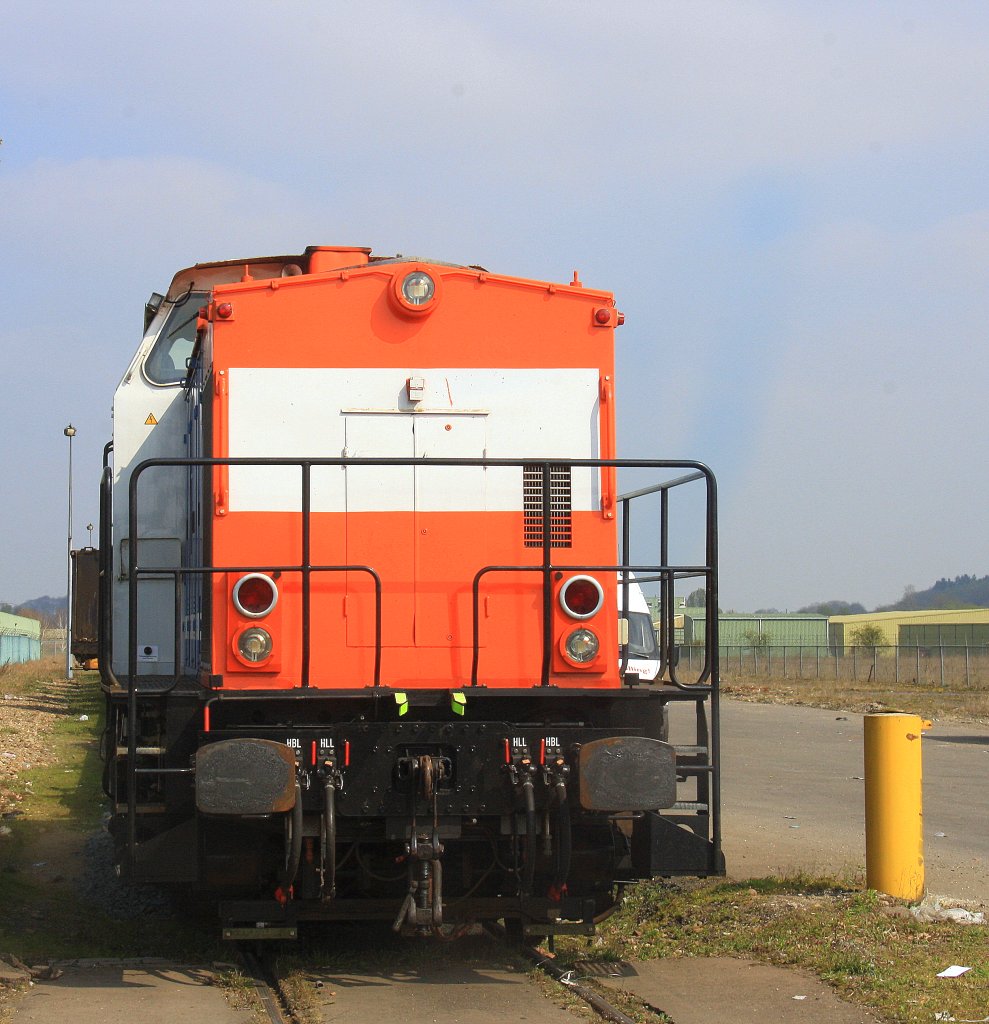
x=643 y=651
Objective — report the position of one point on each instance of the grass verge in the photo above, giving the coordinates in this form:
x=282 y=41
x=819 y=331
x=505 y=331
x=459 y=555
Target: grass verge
x=929 y=700
x=867 y=946
x=60 y=803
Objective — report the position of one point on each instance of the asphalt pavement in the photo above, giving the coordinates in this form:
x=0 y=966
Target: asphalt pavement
x=793 y=796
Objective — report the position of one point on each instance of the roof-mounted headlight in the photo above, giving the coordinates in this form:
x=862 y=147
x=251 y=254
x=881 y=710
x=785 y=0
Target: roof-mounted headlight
x=418 y=288
x=415 y=291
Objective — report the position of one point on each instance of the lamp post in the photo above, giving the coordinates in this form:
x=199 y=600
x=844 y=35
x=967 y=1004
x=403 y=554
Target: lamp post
x=70 y=432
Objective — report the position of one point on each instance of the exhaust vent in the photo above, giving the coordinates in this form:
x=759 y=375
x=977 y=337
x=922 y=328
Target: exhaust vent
x=560 y=519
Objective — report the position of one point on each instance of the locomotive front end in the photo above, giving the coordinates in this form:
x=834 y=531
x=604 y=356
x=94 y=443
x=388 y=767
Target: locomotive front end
x=396 y=686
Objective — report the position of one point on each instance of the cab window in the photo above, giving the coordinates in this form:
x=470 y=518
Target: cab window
x=641 y=636
x=168 y=362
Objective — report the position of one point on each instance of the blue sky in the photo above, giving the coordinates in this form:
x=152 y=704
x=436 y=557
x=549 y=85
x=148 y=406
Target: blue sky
x=788 y=199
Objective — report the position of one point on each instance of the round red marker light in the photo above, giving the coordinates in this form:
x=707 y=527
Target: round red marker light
x=602 y=315
x=225 y=310
x=255 y=595
x=581 y=597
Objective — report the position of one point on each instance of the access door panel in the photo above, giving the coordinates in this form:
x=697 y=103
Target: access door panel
x=451 y=520
x=380 y=525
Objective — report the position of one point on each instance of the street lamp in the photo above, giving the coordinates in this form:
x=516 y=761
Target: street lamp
x=70 y=432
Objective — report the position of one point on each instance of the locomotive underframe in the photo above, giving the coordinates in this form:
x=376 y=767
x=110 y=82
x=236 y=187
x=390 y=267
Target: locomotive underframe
x=494 y=861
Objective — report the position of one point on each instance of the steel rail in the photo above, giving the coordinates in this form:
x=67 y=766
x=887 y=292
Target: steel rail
x=271 y=993
x=597 y=1002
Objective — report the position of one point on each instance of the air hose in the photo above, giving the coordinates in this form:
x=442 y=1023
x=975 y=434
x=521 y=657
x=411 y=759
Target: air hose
x=295 y=851
x=530 y=836
x=564 y=842
x=329 y=839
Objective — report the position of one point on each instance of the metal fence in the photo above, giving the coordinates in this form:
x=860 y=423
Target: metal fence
x=53 y=648
x=945 y=665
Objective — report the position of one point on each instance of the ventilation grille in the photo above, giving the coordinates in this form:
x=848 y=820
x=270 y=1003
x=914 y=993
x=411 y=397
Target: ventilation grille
x=560 y=519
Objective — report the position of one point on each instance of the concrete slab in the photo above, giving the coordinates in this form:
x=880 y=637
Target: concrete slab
x=712 y=990
x=440 y=994
x=149 y=993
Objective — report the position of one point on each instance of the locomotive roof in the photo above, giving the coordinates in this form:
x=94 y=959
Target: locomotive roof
x=274 y=266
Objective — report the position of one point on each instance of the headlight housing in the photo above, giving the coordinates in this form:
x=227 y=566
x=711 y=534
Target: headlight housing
x=418 y=288
x=254 y=645
x=414 y=291
x=582 y=646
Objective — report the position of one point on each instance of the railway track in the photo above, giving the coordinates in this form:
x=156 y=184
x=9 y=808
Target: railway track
x=274 y=998
x=277 y=1002
x=594 y=1000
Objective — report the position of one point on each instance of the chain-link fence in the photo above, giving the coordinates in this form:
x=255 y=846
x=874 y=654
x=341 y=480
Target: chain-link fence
x=959 y=665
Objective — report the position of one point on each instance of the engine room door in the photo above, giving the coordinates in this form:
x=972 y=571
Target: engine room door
x=416 y=526
x=380 y=525
x=451 y=506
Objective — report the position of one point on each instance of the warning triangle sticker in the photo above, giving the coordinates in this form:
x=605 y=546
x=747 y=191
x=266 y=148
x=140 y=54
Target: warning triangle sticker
x=151 y=421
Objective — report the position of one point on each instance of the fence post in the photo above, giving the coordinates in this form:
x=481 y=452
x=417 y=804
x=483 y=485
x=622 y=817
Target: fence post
x=940 y=652
x=917 y=680
x=855 y=663
x=896 y=664
x=967 y=681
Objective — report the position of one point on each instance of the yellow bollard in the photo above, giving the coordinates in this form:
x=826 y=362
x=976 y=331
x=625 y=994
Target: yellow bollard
x=894 y=817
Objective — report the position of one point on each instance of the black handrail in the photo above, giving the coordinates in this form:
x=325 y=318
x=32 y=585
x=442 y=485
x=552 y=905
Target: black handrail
x=667 y=575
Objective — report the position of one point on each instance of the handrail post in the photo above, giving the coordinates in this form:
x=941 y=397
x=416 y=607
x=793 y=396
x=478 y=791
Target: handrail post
x=306 y=570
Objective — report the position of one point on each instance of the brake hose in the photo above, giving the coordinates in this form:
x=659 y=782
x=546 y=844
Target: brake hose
x=329 y=839
x=563 y=839
x=295 y=852
x=530 y=833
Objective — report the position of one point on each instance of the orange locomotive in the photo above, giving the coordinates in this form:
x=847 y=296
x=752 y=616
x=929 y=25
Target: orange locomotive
x=361 y=550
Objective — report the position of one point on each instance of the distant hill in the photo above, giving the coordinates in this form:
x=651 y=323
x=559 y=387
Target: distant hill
x=47 y=609
x=832 y=608
x=961 y=592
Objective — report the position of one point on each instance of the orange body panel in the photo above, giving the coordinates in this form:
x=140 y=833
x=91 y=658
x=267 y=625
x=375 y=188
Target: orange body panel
x=347 y=319
x=426 y=621
x=426 y=559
